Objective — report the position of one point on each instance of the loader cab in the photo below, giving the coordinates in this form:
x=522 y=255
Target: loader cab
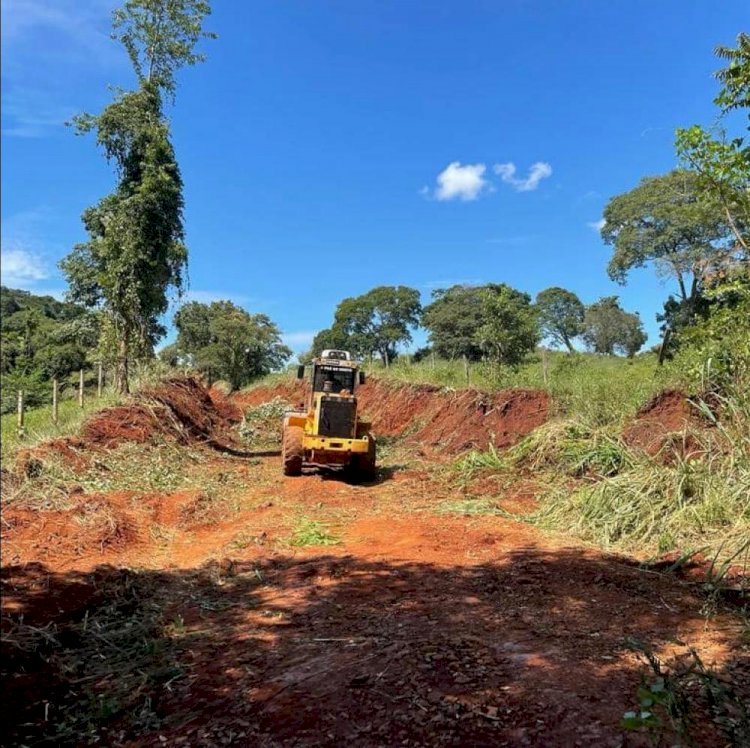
x=334 y=372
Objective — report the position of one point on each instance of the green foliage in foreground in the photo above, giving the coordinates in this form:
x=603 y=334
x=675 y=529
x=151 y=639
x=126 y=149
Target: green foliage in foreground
x=311 y=532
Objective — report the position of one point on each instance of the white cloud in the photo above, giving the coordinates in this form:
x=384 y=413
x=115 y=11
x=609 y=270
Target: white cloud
x=596 y=225
x=20 y=268
x=538 y=171
x=457 y=182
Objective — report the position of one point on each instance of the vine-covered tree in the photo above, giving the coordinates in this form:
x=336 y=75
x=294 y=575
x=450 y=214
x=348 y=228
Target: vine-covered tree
x=227 y=342
x=135 y=253
x=561 y=315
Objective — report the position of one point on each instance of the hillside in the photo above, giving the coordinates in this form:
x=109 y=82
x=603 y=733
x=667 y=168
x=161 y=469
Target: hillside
x=41 y=338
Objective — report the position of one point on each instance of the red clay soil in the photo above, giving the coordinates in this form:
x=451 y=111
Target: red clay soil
x=417 y=631
x=181 y=408
x=663 y=424
x=94 y=528
x=428 y=415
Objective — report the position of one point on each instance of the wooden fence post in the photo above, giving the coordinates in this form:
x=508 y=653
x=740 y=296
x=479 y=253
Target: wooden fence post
x=55 y=403
x=466 y=368
x=80 y=389
x=99 y=379
x=432 y=356
x=20 y=413
x=544 y=365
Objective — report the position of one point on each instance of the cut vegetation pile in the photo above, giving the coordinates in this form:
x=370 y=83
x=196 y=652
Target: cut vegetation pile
x=181 y=409
x=666 y=421
x=134 y=475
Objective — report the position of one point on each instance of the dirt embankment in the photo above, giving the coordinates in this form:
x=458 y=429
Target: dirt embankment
x=667 y=423
x=452 y=420
x=181 y=408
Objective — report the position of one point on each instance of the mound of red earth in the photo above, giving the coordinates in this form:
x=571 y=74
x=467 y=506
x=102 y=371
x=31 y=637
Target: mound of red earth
x=180 y=408
x=664 y=423
x=452 y=420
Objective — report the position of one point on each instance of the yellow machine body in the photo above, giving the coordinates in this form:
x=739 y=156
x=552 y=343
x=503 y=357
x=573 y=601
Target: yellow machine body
x=330 y=430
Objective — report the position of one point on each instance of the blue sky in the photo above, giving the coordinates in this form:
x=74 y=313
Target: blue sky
x=329 y=147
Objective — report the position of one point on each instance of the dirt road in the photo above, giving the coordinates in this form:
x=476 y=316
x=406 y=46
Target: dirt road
x=413 y=625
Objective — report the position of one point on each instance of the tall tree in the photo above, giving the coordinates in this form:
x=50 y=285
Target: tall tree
x=609 y=329
x=380 y=320
x=227 y=342
x=723 y=164
x=669 y=222
x=561 y=315
x=510 y=330
x=135 y=253
x=452 y=319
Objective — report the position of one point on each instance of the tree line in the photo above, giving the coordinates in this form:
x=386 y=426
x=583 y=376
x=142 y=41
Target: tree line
x=493 y=322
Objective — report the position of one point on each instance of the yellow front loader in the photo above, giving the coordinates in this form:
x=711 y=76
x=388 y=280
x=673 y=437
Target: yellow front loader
x=330 y=431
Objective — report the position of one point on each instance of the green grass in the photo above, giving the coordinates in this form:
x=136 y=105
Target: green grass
x=617 y=496
x=311 y=532
x=39 y=427
x=569 y=447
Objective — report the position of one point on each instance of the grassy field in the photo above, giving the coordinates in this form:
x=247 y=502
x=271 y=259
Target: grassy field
x=39 y=426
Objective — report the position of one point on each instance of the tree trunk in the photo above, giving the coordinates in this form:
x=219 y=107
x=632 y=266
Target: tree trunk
x=664 y=345
x=734 y=228
x=123 y=364
x=567 y=342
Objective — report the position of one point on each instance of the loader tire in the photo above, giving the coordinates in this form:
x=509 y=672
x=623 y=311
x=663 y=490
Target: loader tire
x=364 y=467
x=292 y=451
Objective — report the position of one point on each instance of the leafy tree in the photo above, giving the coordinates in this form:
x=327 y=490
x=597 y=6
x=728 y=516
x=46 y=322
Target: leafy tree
x=723 y=165
x=331 y=337
x=608 y=328
x=136 y=252
x=561 y=315
x=510 y=329
x=670 y=222
x=716 y=351
x=452 y=319
x=378 y=321
x=227 y=342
